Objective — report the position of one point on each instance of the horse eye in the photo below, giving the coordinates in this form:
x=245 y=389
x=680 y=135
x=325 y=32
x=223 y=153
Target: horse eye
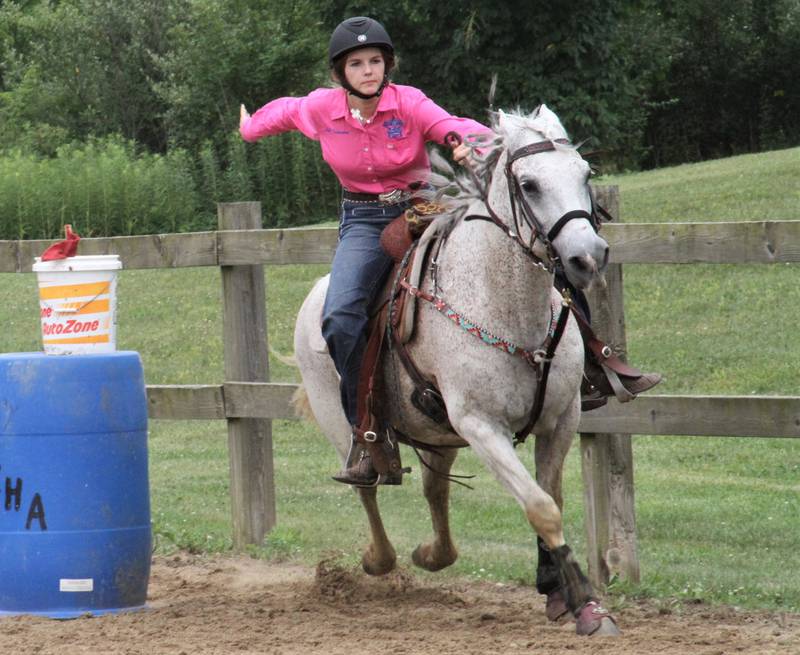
x=529 y=186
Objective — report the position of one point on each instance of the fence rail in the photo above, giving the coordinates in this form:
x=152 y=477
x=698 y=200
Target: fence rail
x=713 y=416
x=249 y=402
x=763 y=242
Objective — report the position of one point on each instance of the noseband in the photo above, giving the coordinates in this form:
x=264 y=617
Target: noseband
x=517 y=198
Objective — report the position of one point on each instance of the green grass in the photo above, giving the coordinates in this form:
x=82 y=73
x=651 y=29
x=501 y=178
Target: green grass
x=762 y=186
x=717 y=518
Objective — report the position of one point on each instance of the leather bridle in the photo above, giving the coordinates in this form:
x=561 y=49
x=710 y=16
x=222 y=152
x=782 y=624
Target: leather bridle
x=526 y=214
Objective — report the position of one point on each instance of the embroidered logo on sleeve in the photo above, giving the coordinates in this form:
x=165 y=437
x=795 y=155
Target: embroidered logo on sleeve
x=394 y=128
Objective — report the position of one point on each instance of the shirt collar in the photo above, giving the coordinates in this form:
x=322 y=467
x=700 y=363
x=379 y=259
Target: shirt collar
x=387 y=102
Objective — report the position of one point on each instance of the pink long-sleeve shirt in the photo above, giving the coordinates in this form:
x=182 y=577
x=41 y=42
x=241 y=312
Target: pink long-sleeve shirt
x=384 y=154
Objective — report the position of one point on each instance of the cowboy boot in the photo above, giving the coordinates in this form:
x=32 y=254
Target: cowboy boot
x=360 y=469
x=601 y=381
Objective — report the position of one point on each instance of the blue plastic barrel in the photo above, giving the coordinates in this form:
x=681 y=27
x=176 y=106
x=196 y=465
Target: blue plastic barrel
x=74 y=497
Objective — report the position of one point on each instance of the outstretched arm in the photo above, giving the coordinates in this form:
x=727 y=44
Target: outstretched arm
x=281 y=115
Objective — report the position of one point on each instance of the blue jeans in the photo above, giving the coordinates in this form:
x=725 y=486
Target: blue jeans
x=358 y=273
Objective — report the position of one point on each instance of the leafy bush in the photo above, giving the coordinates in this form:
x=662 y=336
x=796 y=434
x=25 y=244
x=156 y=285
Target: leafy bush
x=107 y=188
x=285 y=173
x=102 y=188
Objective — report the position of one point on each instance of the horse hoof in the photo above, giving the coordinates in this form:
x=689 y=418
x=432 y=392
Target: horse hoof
x=375 y=566
x=594 y=620
x=422 y=558
x=382 y=568
x=555 y=608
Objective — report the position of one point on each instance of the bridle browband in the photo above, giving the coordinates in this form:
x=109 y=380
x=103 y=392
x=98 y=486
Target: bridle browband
x=517 y=198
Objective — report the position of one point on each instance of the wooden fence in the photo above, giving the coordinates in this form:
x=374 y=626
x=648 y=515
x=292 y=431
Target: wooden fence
x=249 y=402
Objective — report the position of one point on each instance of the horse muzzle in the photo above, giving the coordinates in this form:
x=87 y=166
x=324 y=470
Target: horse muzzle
x=587 y=268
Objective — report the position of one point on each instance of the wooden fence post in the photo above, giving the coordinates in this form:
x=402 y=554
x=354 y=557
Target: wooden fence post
x=246 y=360
x=607 y=458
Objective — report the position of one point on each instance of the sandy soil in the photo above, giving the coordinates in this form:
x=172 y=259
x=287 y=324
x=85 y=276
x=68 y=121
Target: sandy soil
x=237 y=606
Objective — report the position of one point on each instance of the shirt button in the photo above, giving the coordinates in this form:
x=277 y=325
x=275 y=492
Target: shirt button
x=369 y=168
x=366 y=149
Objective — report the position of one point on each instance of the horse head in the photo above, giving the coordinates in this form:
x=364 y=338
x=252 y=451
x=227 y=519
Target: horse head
x=540 y=189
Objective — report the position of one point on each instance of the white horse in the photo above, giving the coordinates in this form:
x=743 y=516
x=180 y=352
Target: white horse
x=534 y=185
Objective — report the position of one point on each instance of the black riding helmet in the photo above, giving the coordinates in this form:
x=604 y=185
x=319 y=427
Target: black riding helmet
x=355 y=33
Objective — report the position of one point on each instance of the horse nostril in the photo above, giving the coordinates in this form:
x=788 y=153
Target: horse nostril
x=580 y=264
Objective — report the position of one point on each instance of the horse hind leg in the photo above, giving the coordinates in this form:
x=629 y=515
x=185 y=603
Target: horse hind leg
x=440 y=552
x=379 y=558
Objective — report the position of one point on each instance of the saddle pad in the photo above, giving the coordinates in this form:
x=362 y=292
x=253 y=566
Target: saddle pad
x=416 y=273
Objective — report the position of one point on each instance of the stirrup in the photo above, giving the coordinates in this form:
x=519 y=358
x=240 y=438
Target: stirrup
x=359 y=469
x=601 y=382
x=627 y=388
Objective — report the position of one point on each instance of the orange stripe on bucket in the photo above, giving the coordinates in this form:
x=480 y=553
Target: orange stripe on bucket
x=74 y=290
x=101 y=338
x=77 y=308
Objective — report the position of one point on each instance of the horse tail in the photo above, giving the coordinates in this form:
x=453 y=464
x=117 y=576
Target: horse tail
x=302 y=405
x=299 y=401
x=288 y=360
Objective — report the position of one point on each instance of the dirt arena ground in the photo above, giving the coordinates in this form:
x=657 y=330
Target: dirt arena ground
x=226 y=606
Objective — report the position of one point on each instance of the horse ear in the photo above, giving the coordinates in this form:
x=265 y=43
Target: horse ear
x=550 y=122
x=545 y=112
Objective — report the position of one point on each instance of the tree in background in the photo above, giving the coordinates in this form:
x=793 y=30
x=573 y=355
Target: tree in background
x=568 y=54
x=82 y=67
x=655 y=82
x=732 y=80
x=168 y=75
x=225 y=53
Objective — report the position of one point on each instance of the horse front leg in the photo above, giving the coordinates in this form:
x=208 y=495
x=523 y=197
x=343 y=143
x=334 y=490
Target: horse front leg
x=440 y=552
x=550 y=452
x=492 y=445
x=379 y=558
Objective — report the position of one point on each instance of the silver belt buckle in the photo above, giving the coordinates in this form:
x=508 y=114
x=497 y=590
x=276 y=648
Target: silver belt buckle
x=391 y=197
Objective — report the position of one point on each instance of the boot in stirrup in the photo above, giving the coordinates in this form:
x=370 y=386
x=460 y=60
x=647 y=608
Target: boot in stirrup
x=600 y=382
x=359 y=469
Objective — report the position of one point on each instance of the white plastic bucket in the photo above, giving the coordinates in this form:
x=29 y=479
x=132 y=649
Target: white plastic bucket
x=78 y=304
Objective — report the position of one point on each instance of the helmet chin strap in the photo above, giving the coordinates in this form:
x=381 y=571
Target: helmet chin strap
x=364 y=96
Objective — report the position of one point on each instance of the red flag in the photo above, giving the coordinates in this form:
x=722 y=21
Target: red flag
x=63 y=249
